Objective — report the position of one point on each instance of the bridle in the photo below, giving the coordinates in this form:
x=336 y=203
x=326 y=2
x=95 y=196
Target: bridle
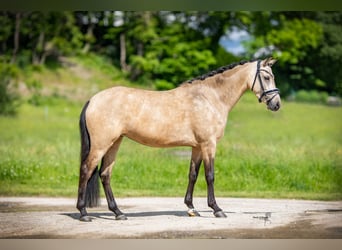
x=264 y=92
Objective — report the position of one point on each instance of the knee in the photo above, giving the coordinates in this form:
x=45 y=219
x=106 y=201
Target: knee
x=210 y=177
x=192 y=176
x=104 y=176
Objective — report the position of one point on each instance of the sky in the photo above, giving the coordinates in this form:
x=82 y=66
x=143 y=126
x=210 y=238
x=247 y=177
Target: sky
x=232 y=40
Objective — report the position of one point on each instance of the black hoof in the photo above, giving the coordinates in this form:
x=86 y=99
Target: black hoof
x=85 y=218
x=121 y=217
x=220 y=214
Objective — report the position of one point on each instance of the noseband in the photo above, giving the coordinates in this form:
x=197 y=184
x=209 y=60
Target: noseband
x=264 y=92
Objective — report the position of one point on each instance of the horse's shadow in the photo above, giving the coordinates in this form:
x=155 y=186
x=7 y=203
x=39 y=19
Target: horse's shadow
x=111 y=216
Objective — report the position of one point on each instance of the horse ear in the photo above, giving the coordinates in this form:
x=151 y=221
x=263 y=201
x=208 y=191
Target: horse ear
x=269 y=62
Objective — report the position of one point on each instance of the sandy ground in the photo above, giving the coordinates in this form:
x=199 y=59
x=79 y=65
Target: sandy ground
x=167 y=218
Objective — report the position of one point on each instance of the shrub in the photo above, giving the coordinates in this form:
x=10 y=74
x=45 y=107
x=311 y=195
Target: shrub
x=35 y=87
x=8 y=98
x=311 y=96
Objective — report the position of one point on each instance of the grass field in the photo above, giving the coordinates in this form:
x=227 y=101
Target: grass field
x=294 y=153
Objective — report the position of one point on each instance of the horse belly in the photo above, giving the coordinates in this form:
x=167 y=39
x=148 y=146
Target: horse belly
x=160 y=142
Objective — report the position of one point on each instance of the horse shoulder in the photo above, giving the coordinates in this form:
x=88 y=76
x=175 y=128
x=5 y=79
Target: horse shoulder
x=209 y=115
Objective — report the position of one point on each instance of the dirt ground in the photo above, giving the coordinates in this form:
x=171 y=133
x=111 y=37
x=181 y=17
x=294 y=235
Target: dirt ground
x=167 y=218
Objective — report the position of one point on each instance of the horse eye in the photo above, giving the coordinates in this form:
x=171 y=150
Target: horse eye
x=267 y=78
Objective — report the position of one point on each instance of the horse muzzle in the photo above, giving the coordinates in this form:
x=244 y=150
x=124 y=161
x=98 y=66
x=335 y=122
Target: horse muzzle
x=274 y=103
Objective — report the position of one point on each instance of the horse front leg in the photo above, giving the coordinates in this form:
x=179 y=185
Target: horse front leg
x=208 y=158
x=196 y=160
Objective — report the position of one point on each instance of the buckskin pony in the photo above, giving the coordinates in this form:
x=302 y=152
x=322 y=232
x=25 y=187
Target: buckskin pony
x=194 y=115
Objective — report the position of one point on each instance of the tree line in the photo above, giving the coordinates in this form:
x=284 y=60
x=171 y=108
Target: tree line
x=170 y=47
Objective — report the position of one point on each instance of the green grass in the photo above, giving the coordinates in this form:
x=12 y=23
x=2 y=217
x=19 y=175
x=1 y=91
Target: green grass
x=39 y=151
x=293 y=153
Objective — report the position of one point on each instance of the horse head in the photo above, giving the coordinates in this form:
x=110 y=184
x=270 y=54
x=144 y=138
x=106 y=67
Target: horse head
x=266 y=90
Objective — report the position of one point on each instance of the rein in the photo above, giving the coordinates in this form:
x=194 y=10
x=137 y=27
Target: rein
x=264 y=92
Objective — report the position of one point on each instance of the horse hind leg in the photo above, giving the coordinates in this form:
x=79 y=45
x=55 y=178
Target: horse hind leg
x=88 y=192
x=88 y=188
x=196 y=160
x=105 y=173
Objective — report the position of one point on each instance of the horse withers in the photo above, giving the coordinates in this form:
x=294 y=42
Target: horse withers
x=194 y=114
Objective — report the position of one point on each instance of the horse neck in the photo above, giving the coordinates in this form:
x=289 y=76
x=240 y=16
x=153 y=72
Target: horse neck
x=230 y=85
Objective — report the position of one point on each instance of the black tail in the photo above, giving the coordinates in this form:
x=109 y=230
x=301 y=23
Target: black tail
x=93 y=188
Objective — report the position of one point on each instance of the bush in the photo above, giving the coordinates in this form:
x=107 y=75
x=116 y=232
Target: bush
x=8 y=99
x=311 y=96
x=35 y=87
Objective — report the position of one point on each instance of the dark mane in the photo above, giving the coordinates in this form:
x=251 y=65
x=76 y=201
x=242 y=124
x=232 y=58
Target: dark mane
x=219 y=70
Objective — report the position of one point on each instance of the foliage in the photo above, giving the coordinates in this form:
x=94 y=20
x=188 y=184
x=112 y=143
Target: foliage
x=9 y=100
x=38 y=35
x=159 y=49
x=294 y=39
x=307 y=45
x=222 y=57
x=327 y=58
x=163 y=85
x=312 y=96
x=181 y=60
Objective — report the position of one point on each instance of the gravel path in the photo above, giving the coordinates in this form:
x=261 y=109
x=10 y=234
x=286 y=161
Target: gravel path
x=167 y=218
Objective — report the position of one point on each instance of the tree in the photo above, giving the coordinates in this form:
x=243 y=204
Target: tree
x=176 y=51
x=160 y=47
x=327 y=58
x=307 y=44
x=16 y=37
x=167 y=48
x=5 y=34
x=30 y=37
x=164 y=48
